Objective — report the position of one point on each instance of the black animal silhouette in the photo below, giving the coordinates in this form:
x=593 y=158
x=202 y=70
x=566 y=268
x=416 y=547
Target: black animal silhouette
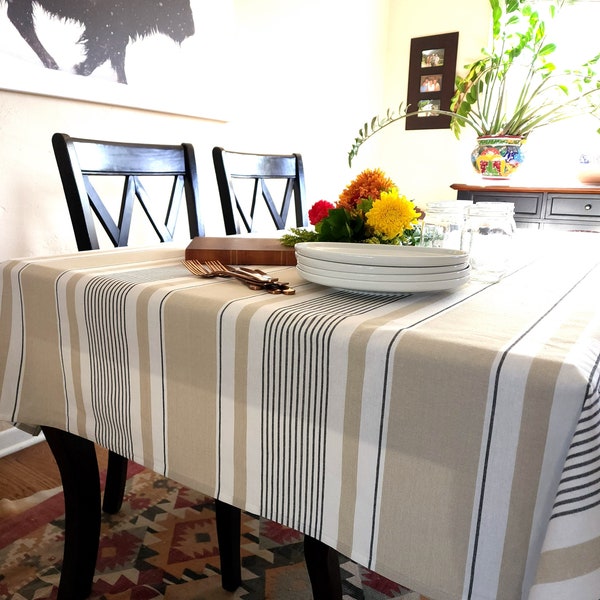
x=109 y=26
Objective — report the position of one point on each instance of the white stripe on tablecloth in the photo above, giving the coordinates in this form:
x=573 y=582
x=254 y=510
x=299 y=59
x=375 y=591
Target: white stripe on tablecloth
x=10 y=394
x=502 y=424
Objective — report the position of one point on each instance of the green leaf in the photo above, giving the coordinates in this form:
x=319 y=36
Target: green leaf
x=547 y=49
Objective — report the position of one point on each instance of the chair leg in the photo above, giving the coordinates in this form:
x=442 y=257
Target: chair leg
x=114 y=489
x=228 y=535
x=76 y=460
x=323 y=567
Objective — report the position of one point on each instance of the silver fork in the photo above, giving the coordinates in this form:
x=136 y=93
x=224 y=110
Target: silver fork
x=271 y=284
x=205 y=270
x=253 y=280
x=255 y=273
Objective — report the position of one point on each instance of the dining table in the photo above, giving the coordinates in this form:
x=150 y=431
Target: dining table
x=448 y=440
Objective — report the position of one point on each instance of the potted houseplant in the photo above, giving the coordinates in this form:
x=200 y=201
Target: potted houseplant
x=511 y=90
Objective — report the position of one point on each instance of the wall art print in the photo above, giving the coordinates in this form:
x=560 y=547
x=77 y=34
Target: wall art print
x=149 y=54
x=431 y=74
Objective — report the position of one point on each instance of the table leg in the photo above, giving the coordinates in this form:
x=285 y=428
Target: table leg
x=228 y=535
x=323 y=567
x=116 y=478
x=76 y=460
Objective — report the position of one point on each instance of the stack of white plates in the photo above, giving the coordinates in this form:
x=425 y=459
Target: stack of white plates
x=382 y=268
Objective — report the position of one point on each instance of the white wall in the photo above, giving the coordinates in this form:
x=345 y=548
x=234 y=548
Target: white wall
x=309 y=73
x=423 y=163
x=294 y=91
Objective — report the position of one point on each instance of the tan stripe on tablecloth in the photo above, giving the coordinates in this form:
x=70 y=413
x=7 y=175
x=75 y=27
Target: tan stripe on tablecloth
x=352 y=413
x=431 y=462
x=144 y=375
x=354 y=386
x=42 y=364
x=192 y=384
x=75 y=354
x=568 y=563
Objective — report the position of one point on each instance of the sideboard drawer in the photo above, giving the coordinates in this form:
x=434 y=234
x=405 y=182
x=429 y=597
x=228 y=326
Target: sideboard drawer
x=529 y=205
x=573 y=206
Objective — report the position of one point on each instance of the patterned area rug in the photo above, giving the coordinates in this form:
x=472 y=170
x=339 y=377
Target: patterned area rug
x=163 y=545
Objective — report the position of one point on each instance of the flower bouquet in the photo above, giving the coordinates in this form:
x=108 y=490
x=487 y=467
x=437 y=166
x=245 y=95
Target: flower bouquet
x=370 y=210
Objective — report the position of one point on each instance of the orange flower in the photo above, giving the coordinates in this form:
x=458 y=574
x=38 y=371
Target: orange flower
x=368 y=184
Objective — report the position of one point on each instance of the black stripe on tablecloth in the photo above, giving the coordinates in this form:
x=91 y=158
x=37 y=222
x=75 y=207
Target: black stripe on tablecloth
x=490 y=431
x=108 y=360
x=296 y=354
x=104 y=303
x=579 y=487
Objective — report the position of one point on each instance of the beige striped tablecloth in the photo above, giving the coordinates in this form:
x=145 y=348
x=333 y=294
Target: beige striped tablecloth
x=449 y=441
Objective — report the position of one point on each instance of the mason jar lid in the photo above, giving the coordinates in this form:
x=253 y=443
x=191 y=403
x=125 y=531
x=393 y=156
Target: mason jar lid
x=491 y=208
x=448 y=206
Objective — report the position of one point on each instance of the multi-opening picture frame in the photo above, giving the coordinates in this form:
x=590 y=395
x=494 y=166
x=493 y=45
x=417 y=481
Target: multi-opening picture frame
x=431 y=75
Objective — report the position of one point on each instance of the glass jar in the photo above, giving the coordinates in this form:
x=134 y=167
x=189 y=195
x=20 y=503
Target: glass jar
x=443 y=224
x=487 y=237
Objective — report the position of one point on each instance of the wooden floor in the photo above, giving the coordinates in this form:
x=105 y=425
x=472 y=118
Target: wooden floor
x=31 y=470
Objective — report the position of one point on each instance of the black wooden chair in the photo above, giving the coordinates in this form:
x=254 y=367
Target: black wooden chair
x=248 y=183
x=85 y=166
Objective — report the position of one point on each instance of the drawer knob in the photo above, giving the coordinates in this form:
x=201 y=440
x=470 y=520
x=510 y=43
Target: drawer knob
x=588 y=207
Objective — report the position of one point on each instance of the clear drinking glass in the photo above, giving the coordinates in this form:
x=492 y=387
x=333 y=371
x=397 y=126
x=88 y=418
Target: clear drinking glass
x=443 y=224
x=488 y=238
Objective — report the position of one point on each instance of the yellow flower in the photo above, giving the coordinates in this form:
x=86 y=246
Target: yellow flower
x=392 y=214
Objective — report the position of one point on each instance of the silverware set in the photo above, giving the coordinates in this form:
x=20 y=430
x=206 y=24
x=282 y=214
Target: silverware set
x=255 y=279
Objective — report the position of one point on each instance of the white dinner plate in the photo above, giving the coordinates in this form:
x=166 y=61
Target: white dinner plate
x=383 y=286
x=389 y=278
x=381 y=254
x=385 y=271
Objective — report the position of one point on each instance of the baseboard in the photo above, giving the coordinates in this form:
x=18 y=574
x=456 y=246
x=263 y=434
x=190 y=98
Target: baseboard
x=13 y=440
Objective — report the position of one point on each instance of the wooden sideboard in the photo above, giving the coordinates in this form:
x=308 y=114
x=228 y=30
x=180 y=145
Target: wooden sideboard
x=542 y=207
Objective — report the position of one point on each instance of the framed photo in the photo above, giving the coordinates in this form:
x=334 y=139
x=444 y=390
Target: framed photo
x=154 y=55
x=431 y=74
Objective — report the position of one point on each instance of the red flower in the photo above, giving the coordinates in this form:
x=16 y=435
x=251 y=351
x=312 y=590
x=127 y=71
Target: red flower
x=319 y=211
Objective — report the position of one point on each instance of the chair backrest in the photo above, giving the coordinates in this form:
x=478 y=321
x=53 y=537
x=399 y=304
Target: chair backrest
x=261 y=171
x=82 y=162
